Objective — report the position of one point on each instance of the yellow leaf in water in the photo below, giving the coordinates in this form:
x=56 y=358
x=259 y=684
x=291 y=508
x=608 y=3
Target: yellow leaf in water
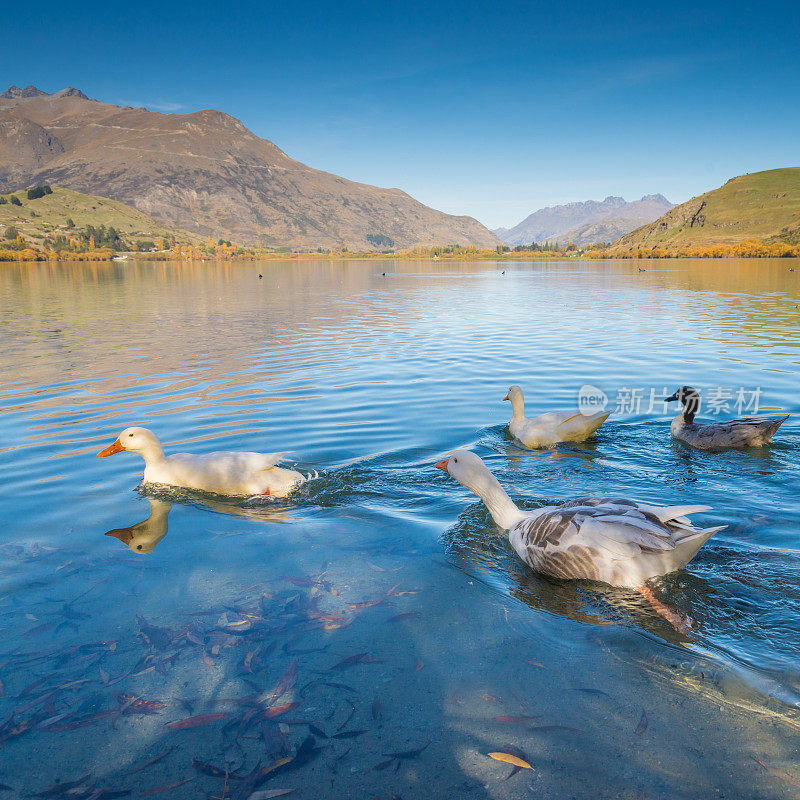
x=509 y=759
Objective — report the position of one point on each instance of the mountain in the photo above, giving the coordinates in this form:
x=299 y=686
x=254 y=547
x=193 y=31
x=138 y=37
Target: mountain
x=578 y=222
x=206 y=172
x=604 y=230
x=759 y=205
x=15 y=93
x=51 y=215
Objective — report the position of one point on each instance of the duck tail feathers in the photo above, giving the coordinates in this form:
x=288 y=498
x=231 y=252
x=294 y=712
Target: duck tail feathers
x=591 y=421
x=776 y=423
x=675 y=515
x=689 y=545
x=709 y=532
x=598 y=419
x=269 y=460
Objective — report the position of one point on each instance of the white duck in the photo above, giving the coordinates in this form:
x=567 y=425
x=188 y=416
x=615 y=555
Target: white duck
x=550 y=428
x=224 y=473
x=621 y=542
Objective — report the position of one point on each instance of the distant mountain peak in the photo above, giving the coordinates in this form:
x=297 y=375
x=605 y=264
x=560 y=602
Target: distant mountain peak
x=656 y=198
x=15 y=93
x=579 y=222
x=71 y=91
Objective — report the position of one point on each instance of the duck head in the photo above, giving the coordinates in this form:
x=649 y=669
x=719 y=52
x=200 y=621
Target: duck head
x=470 y=471
x=516 y=399
x=467 y=468
x=689 y=398
x=135 y=440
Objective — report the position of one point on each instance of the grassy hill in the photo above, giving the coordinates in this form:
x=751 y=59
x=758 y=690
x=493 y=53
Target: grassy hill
x=764 y=206
x=51 y=215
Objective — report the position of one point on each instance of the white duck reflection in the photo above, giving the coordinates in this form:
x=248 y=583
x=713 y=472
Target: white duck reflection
x=143 y=537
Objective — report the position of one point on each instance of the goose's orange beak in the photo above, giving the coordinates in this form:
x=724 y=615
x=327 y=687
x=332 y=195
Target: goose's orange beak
x=506 y=397
x=111 y=449
x=442 y=465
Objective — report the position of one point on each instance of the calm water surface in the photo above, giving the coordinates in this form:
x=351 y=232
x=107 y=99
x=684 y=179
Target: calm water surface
x=374 y=636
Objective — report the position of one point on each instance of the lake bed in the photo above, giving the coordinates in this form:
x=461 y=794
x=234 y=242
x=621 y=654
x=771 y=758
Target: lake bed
x=379 y=609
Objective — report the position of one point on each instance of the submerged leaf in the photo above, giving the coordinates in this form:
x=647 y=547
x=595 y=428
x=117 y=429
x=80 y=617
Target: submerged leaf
x=194 y=722
x=279 y=762
x=212 y=771
x=286 y=682
x=275 y=711
x=165 y=787
x=406 y=754
x=510 y=759
x=781 y=775
x=347 y=734
x=149 y=762
x=550 y=728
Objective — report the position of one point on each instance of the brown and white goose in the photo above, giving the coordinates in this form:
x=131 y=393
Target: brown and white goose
x=617 y=541
x=724 y=435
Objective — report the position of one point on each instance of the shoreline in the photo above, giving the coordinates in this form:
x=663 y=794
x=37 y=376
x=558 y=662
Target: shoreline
x=12 y=257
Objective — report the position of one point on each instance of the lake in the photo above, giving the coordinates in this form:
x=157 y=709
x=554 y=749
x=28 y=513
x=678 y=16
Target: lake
x=374 y=635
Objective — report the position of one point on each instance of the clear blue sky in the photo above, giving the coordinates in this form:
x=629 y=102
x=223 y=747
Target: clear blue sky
x=489 y=109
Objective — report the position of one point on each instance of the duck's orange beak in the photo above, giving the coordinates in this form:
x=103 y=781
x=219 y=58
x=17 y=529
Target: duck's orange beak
x=111 y=449
x=442 y=465
x=506 y=397
x=125 y=535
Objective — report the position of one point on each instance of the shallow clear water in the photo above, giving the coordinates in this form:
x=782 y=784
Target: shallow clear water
x=381 y=600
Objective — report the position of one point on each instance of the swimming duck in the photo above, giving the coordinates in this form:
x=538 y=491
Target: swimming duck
x=732 y=433
x=617 y=541
x=225 y=473
x=143 y=537
x=550 y=428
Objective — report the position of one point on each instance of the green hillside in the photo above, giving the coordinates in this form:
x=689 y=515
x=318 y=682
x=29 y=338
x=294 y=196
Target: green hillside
x=762 y=205
x=67 y=213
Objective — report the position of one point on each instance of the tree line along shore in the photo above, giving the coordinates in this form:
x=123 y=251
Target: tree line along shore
x=55 y=224
x=223 y=252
